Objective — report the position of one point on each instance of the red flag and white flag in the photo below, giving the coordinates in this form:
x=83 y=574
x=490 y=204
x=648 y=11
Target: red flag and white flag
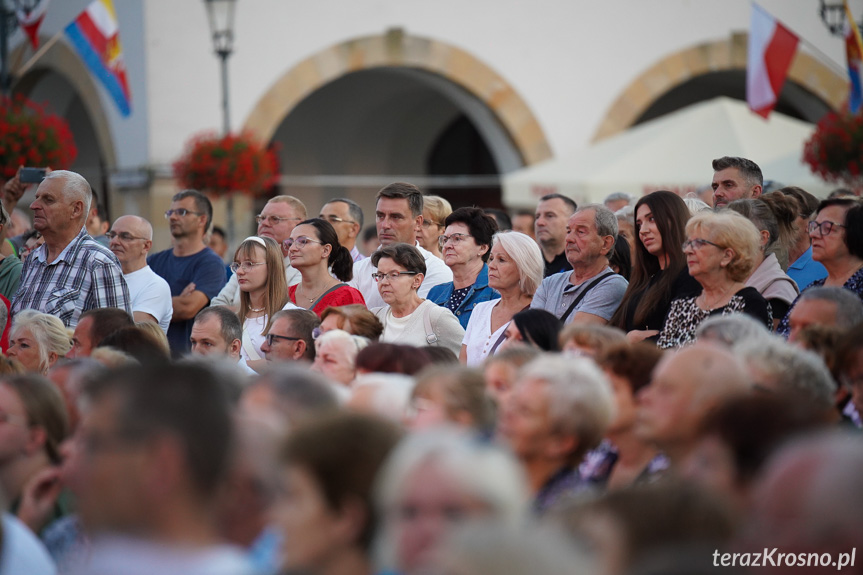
x=31 y=18
x=771 y=49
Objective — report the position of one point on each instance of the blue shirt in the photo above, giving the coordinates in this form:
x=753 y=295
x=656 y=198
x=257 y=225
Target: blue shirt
x=805 y=270
x=205 y=269
x=479 y=292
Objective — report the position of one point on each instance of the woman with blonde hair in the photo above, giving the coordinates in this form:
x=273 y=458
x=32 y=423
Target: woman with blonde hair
x=435 y=212
x=515 y=270
x=37 y=340
x=722 y=250
x=356 y=319
x=260 y=269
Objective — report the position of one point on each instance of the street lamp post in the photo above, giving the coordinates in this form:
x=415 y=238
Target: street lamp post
x=221 y=17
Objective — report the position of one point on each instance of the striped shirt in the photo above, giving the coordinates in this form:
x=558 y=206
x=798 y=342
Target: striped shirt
x=86 y=275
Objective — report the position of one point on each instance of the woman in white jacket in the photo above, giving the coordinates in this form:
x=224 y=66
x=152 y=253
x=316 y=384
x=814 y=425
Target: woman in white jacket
x=407 y=318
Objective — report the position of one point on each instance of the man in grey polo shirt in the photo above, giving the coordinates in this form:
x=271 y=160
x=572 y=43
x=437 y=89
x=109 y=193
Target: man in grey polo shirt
x=595 y=290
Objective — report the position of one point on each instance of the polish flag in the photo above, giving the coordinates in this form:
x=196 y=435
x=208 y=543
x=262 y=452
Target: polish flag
x=771 y=49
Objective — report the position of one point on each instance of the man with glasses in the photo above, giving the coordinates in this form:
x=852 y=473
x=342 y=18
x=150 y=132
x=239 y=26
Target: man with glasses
x=194 y=272
x=290 y=336
x=346 y=217
x=398 y=219
x=276 y=221
x=131 y=238
x=70 y=273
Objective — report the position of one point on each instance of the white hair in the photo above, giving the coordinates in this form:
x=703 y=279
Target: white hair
x=48 y=333
x=480 y=469
x=788 y=369
x=75 y=187
x=351 y=344
x=579 y=396
x=391 y=393
x=696 y=205
x=730 y=329
x=526 y=255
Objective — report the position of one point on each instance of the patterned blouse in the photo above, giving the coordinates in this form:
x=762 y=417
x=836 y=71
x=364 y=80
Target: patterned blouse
x=685 y=316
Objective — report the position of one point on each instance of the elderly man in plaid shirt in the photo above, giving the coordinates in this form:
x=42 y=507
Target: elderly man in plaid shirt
x=71 y=272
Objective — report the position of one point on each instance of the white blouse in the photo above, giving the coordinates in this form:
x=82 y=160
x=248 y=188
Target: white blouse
x=478 y=338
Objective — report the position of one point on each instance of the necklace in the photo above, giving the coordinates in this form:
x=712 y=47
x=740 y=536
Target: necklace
x=310 y=299
x=719 y=299
x=255 y=310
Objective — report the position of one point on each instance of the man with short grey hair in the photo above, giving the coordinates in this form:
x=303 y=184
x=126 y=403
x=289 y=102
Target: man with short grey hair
x=735 y=179
x=591 y=292
x=824 y=306
x=70 y=273
x=617 y=200
x=346 y=217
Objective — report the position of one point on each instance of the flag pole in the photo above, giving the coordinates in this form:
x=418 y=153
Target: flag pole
x=28 y=65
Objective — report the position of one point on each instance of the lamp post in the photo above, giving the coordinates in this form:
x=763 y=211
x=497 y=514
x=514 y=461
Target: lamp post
x=221 y=17
x=833 y=16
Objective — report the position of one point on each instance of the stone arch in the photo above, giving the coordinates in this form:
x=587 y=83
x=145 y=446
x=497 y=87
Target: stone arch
x=709 y=57
x=397 y=49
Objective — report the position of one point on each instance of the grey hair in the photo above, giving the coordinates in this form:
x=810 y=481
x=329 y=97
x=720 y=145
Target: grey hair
x=230 y=326
x=750 y=171
x=75 y=187
x=616 y=197
x=354 y=209
x=391 y=393
x=785 y=368
x=579 y=397
x=729 y=329
x=849 y=308
x=481 y=469
x=604 y=219
x=527 y=256
x=353 y=343
x=47 y=330
x=695 y=205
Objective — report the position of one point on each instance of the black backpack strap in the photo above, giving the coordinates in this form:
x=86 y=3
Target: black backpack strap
x=580 y=297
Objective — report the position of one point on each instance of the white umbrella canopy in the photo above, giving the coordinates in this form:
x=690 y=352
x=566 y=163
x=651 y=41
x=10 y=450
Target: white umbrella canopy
x=673 y=152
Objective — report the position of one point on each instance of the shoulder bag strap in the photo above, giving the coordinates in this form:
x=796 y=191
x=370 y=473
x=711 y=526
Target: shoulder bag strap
x=580 y=297
x=249 y=348
x=502 y=335
x=431 y=336
x=323 y=295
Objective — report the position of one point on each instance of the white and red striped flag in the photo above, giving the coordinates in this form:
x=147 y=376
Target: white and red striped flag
x=771 y=49
x=31 y=18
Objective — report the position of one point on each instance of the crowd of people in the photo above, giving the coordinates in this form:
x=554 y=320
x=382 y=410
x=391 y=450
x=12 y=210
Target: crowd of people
x=651 y=385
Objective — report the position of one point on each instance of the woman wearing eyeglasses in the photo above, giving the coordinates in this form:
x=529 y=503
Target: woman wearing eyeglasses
x=721 y=252
x=315 y=250
x=466 y=245
x=435 y=212
x=407 y=318
x=260 y=271
x=837 y=242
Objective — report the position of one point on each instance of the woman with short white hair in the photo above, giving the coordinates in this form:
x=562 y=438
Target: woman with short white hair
x=336 y=355
x=515 y=270
x=37 y=340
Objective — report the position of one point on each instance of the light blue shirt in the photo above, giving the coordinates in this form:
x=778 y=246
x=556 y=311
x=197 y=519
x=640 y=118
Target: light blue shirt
x=805 y=270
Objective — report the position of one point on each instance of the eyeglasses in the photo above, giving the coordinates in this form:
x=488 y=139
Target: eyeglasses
x=245 y=266
x=300 y=242
x=336 y=220
x=124 y=236
x=182 y=212
x=271 y=337
x=698 y=243
x=456 y=239
x=392 y=276
x=275 y=220
x=824 y=228
x=430 y=223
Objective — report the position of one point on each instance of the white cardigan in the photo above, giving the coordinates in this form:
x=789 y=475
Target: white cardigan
x=444 y=324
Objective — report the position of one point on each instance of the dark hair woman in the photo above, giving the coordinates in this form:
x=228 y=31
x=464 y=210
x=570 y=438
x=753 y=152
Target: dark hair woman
x=314 y=249
x=659 y=273
x=534 y=327
x=837 y=242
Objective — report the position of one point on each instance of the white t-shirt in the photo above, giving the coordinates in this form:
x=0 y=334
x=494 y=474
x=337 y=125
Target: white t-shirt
x=150 y=293
x=253 y=329
x=22 y=551
x=478 y=337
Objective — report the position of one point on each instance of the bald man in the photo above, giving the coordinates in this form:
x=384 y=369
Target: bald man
x=131 y=238
x=685 y=386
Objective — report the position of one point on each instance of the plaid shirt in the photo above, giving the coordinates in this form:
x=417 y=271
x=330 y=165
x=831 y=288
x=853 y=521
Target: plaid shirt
x=86 y=275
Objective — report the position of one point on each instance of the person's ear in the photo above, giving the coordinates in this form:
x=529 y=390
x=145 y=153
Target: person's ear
x=52 y=358
x=78 y=209
x=418 y=281
x=352 y=518
x=560 y=445
x=727 y=257
x=418 y=224
x=36 y=439
x=607 y=244
x=234 y=348
x=765 y=237
x=299 y=349
x=483 y=249
x=326 y=250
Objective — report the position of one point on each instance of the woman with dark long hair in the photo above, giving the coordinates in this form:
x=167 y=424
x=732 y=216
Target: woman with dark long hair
x=315 y=250
x=659 y=272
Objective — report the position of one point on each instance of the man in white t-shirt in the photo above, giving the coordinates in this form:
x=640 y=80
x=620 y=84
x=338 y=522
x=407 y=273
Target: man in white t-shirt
x=398 y=218
x=131 y=238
